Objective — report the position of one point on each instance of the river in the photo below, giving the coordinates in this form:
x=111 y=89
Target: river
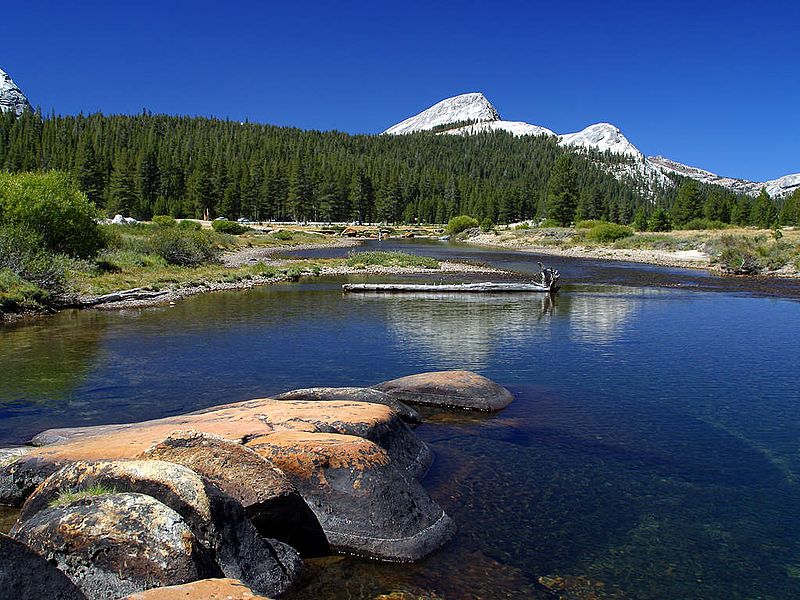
x=652 y=451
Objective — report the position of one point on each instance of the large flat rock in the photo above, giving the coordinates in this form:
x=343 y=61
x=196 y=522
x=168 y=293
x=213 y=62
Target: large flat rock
x=449 y=389
x=205 y=589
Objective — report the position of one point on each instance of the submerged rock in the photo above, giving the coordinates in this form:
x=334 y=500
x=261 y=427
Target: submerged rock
x=25 y=574
x=273 y=504
x=205 y=589
x=116 y=544
x=365 y=503
x=449 y=389
x=354 y=394
x=218 y=522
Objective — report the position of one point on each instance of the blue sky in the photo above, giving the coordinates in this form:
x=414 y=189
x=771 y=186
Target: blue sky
x=712 y=84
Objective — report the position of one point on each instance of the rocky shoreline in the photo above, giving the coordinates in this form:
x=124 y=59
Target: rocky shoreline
x=233 y=495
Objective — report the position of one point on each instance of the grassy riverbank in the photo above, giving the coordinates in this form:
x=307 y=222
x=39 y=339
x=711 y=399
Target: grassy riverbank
x=146 y=256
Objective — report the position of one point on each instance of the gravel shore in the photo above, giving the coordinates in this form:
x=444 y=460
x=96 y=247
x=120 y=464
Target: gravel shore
x=690 y=259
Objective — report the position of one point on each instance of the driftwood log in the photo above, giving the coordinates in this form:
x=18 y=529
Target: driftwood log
x=132 y=294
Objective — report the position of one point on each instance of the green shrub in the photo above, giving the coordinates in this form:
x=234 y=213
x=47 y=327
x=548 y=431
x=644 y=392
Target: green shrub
x=51 y=204
x=739 y=261
x=116 y=261
x=229 y=227
x=522 y=226
x=461 y=223
x=608 y=232
x=282 y=235
x=699 y=224
x=18 y=294
x=487 y=225
x=360 y=260
x=588 y=223
x=184 y=248
x=550 y=223
x=292 y=274
x=191 y=225
x=22 y=254
x=164 y=221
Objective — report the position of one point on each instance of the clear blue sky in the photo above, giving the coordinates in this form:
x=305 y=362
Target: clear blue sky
x=712 y=84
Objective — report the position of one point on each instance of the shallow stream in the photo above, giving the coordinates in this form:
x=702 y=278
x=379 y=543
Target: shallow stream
x=652 y=451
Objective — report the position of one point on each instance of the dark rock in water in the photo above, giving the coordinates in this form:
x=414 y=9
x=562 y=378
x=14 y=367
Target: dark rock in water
x=273 y=504
x=205 y=589
x=449 y=389
x=365 y=503
x=266 y=565
x=354 y=394
x=218 y=521
x=25 y=574
x=116 y=544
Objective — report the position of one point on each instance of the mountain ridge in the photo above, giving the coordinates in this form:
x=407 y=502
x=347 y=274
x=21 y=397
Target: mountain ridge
x=480 y=115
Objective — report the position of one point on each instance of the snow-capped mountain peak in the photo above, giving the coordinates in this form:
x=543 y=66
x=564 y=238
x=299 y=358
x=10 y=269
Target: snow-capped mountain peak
x=11 y=97
x=472 y=107
x=602 y=137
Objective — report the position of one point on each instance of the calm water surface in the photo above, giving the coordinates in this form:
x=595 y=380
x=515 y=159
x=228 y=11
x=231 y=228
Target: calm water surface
x=653 y=449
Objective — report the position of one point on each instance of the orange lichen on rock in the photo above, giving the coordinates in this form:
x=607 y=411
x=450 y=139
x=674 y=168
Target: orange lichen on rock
x=205 y=589
x=306 y=454
x=234 y=422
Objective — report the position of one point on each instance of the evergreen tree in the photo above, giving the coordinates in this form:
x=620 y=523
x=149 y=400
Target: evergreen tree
x=299 y=199
x=640 y=222
x=790 y=211
x=740 y=212
x=361 y=198
x=763 y=213
x=562 y=191
x=90 y=173
x=688 y=203
x=149 y=183
x=659 y=221
x=199 y=191
x=717 y=206
x=122 y=196
x=590 y=204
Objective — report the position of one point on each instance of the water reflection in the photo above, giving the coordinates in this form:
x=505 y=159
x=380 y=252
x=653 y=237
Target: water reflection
x=465 y=330
x=462 y=331
x=600 y=317
x=43 y=362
